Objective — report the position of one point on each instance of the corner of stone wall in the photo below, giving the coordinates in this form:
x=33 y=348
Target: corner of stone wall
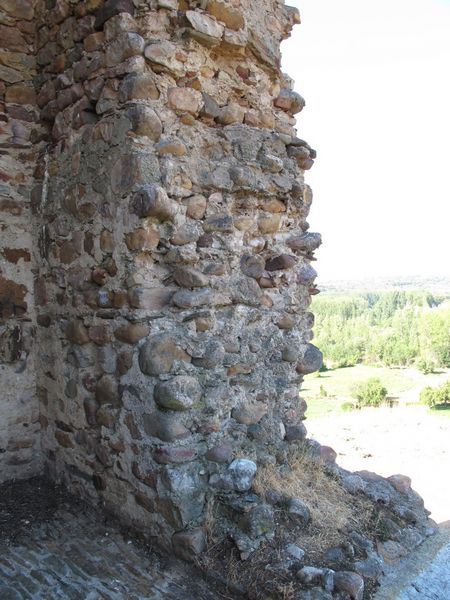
x=172 y=275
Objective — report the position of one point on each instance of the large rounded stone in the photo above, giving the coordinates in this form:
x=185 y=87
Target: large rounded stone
x=137 y=86
x=350 y=583
x=204 y=24
x=131 y=333
x=165 y=427
x=189 y=544
x=295 y=433
x=185 y=100
x=312 y=360
x=289 y=101
x=298 y=512
x=281 y=262
x=152 y=201
x=249 y=414
x=127 y=44
x=180 y=393
x=306 y=242
x=193 y=299
x=111 y=8
x=106 y=391
x=229 y=15
x=159 y=353
x=189 y=277
x=252 y=266
x=173 y=455
x=77 y=333
x=242 y=472
x=306 y=275
x=221 y=453
x=145 y=121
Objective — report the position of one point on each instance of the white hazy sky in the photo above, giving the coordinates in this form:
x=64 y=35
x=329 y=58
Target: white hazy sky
x=376 y=79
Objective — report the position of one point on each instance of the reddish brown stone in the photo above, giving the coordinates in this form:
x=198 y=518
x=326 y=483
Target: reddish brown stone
x=146 y=501
x=13 y=255
x=94 y=41
x=107 y=242
x=249 y=414
x=12 y=298
x=402 y=483
x=173 y=455
x=20 y=9
x=131 y=333
x=99 y=276
x=223 y=453
x=185 y=100
x=142 y=239
x=106 y=391
x=64 y=439
x=229 y=15
x=119 y=298
x=124 y=362
x=21 y=93
x=100 y=334
x=77 y=333
x=68 y=253
x=281 y=262
x=9 y=206
x=12 y=39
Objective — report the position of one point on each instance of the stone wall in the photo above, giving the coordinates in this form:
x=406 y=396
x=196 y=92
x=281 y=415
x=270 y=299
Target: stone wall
x=173 y=274
x=19 y=134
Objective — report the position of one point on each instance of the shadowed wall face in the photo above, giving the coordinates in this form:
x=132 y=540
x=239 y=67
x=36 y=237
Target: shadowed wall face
x=173 y=269
x=19 y=408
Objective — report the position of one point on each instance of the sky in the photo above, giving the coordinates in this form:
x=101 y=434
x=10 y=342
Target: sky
x=376 y=80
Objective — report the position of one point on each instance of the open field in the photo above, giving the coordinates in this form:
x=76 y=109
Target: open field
x=403 y=385
x=408 y=439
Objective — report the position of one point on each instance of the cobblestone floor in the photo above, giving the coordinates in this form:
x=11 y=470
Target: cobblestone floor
x=74 y=556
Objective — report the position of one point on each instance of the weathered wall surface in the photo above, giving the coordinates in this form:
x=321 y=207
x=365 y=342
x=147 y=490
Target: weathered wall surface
x=173 y=273
x=19 y=427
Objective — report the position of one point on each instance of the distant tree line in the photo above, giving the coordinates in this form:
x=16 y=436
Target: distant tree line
x=387 y=328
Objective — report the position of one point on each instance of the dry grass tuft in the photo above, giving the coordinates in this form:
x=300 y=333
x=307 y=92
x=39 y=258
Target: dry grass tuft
x=333 y=510
x=335 y=513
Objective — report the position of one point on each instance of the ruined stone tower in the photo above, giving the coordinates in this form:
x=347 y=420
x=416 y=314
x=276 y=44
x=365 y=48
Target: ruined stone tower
x=155 y=269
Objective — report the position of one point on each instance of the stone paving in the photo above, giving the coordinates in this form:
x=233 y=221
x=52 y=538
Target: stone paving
x=77 y=557
x=424 y=574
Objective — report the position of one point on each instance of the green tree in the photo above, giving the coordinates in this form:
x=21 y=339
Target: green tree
x=370 y=392
x=436 y=396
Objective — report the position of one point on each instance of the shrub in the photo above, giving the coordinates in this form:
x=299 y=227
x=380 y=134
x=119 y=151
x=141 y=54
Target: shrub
x=426 y=366
x=429 y=396
x=436 y=396
x=370 y=392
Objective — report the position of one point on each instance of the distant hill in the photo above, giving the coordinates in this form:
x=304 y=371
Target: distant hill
x=435 y=285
